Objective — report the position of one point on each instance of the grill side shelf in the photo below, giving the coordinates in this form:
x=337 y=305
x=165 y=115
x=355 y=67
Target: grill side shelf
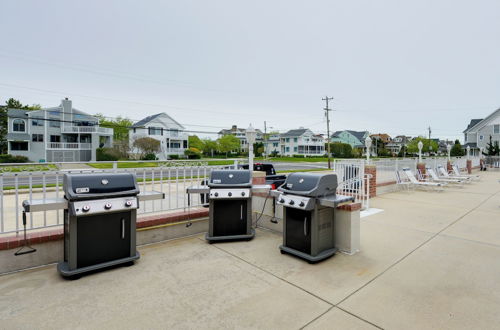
x=40 y=205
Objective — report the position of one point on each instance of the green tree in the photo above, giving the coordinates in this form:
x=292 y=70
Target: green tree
x=341 y=150
x=228 y=143
x=258 y=149
x=209 y=147
x=195 y=142
x=120 y=126
x=10 y=104
x=457 y=150
x=492 y=148
x=147 y=146
x=413 y=145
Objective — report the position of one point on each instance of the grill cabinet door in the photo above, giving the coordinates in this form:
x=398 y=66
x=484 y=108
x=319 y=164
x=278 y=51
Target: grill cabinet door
x=298 y=230
x=230 y=217
x=103 y=238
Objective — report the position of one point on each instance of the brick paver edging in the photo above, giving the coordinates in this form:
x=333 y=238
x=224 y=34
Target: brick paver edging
x=15 y=241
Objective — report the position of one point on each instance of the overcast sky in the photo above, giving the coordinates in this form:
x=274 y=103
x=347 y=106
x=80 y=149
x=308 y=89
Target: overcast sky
x=392 y=66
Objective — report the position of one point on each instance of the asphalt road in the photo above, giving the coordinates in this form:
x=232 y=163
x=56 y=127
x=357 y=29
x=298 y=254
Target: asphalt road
x=23 y=179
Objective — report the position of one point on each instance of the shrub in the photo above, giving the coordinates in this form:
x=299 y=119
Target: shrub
x=149 y=156
x=106 y=154
x=341 y=150
x=193 y=153
x=13 y=159
x=299 y=156
x=173 y=156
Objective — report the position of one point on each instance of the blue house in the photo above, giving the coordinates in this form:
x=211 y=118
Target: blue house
x=354 y=138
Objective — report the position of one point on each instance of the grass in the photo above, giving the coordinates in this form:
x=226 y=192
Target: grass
x=155 y=164
x=28 y=168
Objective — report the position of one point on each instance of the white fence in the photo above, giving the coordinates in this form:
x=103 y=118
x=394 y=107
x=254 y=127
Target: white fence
x=171 y=180
x=352 y=180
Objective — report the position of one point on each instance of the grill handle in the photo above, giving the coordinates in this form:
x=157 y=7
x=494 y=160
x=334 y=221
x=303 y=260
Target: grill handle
x=305 y=226
x=123 y=228
x=241 y=212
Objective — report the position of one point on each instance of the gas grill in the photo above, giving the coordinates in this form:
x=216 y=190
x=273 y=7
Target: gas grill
x=230 y=205
x=99 y=220
x=309 y=201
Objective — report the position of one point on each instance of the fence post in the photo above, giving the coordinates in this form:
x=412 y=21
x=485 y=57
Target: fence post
x=115 y=166
x=236 y=165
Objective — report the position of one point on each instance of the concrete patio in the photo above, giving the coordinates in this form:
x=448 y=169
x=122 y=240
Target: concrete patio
x=431 y=260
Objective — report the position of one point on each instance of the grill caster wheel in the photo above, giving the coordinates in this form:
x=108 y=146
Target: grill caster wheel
x=282 y=252
x=128 y=264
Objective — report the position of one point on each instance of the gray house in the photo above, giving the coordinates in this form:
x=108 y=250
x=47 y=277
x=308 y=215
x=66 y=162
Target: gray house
x=478 y=132
x=161 y=127
x=58 y=134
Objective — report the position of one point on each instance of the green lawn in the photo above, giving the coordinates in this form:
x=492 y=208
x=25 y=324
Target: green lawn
x=27 y=168
x=156 y=164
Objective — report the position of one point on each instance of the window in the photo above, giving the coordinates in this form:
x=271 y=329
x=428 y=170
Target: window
x=19 y=146
x=185 y=144
x=37 y=137
x=287 y=149
x=496 y=129
x=55 y=138
x=54 y=123
x=294 y=139
x=19 y=125
x=294 y=149
x=275 y=144
x=36 y=122
x=155 y=131
x=287 y=139
x=481 y=137
x=174 y=132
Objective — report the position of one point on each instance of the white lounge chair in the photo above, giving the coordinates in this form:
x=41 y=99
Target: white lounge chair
x=416 y=183
x=435 y=178
x=445 y=175
x=456 y=171
x=402 y=180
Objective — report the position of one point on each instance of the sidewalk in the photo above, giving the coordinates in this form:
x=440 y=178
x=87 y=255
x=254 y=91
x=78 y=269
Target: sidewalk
x=431 y=260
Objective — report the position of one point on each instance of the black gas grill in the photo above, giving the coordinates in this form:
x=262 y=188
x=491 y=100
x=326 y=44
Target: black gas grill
x=309 y=201
x=230 y=203
x=99 y=222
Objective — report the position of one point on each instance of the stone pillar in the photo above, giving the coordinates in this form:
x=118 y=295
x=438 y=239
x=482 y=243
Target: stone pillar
x=258 y=177
x=347 y=228
x=469 y=166
x=421 y=168
x=448 y=167
x=372 y=170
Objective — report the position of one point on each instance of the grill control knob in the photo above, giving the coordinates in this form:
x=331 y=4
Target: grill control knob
x=216 y=194
x=230 y=194
x=282 y=200
x=301 y=204
x=291 y=202
x=128 y=203
x=107 y=206
x=242 y=193
x=86 y=208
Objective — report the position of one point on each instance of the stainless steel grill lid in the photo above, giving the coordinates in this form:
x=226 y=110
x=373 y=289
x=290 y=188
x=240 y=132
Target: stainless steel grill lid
x=101 y=185
x=230 y=179
x=310 y=184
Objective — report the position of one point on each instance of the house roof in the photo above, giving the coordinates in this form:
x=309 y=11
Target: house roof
x=16 y=112
x=295 y=132
x=473 y=123
x=148 y=119
x=359 y=135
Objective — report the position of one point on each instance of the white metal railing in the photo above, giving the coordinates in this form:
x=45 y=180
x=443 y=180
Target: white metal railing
x=86 y=129
x=352 y=180
x=169 y=179
x=69 y=145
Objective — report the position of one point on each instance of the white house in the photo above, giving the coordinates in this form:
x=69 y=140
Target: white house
x=301 y=141
x=162 y=127
x=478 y=132
x=58 y=134
x=241 y=134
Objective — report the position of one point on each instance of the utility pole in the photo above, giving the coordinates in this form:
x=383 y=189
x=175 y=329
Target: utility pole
x=430 y=144
x=265 y=139
x=429 y=128
x=327 y=111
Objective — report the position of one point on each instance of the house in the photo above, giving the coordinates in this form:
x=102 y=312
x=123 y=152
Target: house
x=241 y=134
x=301 y=141
x=58 y=134
x=385 y=138
x=161 y=127
x=478 y=132
x=397 y=144
x=354 y=138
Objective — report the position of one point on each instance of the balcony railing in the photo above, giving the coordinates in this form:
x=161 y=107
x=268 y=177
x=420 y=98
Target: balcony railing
x=87 y=129
x=69 y=145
